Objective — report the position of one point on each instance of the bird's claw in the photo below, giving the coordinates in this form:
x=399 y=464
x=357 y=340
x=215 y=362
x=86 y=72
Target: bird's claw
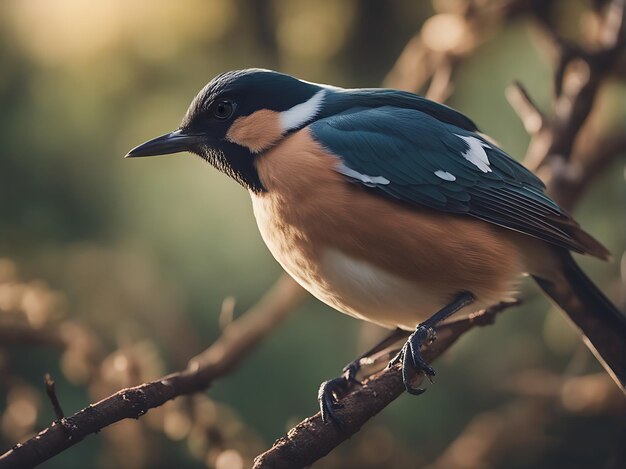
x=328 y=398
x=334 y=389
x=412 y=360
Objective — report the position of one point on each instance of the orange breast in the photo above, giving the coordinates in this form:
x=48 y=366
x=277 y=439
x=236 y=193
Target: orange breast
x=369 y=256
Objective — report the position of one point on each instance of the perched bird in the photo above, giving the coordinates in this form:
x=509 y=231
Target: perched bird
x=392 y=208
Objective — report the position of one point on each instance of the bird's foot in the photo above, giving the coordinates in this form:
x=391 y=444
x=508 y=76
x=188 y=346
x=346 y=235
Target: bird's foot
x=331 y=392
x=350 y=370
x=411 y=358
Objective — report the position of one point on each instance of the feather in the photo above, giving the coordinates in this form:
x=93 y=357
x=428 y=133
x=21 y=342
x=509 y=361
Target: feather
x=410 y=148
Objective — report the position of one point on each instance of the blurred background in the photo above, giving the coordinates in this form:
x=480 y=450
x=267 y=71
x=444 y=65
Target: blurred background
x=123 y=270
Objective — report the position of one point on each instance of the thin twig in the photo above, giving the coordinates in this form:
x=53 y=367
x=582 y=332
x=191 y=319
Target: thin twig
x=52 y=395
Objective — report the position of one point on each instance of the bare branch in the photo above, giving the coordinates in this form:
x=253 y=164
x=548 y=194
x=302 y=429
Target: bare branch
x=579 y=73
x=237 y=340
x=530 y=115
x=542 y=399
x=52 y=395
x=588 y=162
x=311 y=439
x=441 y=87
x=421 y=64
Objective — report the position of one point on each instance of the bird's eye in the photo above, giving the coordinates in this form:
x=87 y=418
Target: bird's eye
x=223 y=109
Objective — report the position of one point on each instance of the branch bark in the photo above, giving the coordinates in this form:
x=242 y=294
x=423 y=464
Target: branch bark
x=52 y=395
x=311 y=439
x=236 y=342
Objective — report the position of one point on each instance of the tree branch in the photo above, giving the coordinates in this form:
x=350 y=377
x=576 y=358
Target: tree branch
x=311 y=439
x=579 y=73
x=589 y=161
x=237 y=340
x=429 y=60
x=530 y=115
x=52 y=395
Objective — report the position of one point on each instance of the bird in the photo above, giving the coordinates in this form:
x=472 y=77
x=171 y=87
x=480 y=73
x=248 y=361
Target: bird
x=393 y=209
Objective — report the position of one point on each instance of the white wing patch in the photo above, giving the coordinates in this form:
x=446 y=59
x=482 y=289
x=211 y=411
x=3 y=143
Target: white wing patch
x=370 y=181
x=476 y=153
x=445 y=175
x=301 y=113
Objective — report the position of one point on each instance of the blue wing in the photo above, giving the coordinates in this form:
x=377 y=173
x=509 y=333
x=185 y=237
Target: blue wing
x=411 y=156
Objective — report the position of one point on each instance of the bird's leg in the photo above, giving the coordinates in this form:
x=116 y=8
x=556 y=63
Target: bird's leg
x=352 y=368
x=332 y=390
x=410 y=355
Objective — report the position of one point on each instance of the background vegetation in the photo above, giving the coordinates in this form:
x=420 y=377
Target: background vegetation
x=133 y=260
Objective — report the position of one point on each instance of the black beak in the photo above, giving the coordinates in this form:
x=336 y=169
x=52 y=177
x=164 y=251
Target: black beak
x=174 y=142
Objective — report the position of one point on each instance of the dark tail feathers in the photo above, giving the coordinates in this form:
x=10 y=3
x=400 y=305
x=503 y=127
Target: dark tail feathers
x=603 y=325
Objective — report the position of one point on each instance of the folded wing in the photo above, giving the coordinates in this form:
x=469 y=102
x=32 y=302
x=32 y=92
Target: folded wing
x=412 y=156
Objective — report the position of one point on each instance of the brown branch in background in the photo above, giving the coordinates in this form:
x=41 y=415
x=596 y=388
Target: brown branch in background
x=312 y=439
x=590 y=159
x=496 y=435
x=530 y=115
x=452 y=34
x=543 y=398
x=428 y=61
x=236 y=341
x=579 y=73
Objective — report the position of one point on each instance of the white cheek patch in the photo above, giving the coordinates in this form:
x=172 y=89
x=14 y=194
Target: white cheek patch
x=370 y=181
x=476 y=153
x=301 y=113
x=445 y=175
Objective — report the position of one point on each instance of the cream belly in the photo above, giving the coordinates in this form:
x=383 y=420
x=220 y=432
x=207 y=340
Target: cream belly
x=365 y=291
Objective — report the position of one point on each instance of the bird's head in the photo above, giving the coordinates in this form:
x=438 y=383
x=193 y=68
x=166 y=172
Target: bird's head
x=238 y=116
